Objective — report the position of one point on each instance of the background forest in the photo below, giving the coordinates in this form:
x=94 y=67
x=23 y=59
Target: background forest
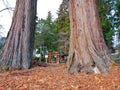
x=53 y=34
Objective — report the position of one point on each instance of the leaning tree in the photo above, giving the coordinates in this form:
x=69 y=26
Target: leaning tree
x=17 y=51
x=88 y=52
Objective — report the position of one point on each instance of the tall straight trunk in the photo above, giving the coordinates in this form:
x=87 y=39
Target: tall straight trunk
x=88 y=52
x=17 y=51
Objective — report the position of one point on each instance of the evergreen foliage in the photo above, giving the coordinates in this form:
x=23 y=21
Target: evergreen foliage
x=106 y=19
x=45 y=35
x=63 y=17
x=63 y=27
x=54 y=34
x=2 y=41
x=110 y=18
x=118 y=15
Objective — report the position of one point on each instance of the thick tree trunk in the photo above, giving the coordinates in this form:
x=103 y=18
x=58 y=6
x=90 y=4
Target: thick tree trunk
x=88 y=52
x=17 y=52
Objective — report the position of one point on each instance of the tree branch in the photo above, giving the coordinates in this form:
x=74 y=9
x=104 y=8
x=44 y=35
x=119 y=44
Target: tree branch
x=7 y=9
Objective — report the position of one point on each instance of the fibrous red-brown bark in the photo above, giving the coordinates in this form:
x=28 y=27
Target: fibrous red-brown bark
x=88 y=52
x=17 y=52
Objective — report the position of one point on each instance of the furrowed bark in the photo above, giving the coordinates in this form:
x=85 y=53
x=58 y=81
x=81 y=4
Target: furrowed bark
x=88 y=51
x=17 y=51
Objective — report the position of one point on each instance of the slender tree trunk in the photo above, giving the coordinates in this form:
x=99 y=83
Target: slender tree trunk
x=17 y=52
x=88 y=52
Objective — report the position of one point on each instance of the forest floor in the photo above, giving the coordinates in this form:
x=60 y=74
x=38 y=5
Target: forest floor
x=55 y=77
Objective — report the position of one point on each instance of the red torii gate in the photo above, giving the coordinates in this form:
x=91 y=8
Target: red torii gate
x=55 y=54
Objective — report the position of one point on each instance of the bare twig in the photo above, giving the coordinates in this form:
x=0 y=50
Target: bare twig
x=7 y=9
